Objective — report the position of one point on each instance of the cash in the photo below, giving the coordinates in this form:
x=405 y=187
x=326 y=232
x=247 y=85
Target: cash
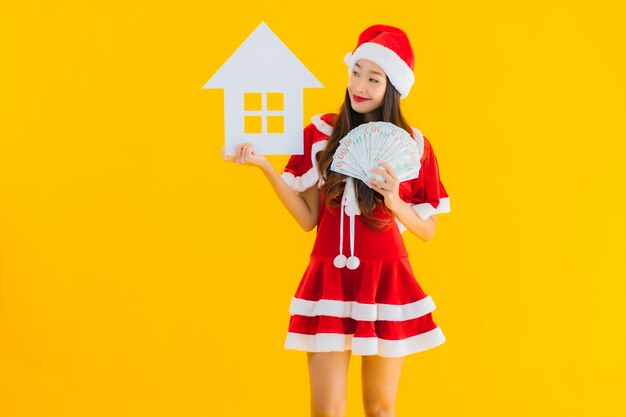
x=369 y=144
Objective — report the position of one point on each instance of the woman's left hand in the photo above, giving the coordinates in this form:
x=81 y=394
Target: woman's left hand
x=389 y=188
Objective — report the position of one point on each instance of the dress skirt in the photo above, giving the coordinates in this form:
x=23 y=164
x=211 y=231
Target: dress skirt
x=376 y=309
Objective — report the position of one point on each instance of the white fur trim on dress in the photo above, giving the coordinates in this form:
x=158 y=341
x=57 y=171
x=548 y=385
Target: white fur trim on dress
x=321 y=125
x=399 y=73
x=361 y=311
x=335 y=342
x=425 y=210
x=306 y=180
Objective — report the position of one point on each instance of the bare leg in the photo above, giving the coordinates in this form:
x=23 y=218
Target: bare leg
x=380 y=377
x=328 y=374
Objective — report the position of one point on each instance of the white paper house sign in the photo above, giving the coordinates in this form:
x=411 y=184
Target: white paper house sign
x=263 y=83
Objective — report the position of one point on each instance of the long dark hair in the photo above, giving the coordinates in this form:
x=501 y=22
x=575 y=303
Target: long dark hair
x=346 y=120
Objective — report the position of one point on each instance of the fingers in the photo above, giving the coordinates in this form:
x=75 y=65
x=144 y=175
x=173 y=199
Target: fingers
x=388 y=173
x=239 y=149
x=379 y=186
x=389 y=188
x=383 y=174
x=390 y=179
x=247 y=153
x=389 y=169
x=244 y=154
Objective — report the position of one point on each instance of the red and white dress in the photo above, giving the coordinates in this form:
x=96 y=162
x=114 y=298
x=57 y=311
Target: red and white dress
x=377 y=308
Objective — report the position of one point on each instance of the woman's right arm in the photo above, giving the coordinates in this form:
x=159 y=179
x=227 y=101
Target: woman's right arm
x=304 y=206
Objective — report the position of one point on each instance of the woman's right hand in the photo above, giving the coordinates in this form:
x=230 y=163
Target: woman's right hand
x=244 y=155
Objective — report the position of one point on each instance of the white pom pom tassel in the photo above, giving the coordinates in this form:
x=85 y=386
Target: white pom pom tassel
x=353 y=262
x=340 y=261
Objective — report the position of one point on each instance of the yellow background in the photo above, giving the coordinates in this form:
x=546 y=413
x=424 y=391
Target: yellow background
x=144 y=276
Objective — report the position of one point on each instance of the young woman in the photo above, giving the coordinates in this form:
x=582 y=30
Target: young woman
x=369 y=304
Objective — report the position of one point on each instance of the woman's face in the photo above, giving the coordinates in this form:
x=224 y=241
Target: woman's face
x=366 y=86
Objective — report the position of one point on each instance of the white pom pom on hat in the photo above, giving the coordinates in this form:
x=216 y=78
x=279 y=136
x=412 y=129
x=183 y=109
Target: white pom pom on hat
x=389 y=48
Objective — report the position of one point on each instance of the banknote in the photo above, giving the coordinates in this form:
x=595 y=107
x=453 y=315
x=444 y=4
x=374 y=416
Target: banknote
x=369 y=144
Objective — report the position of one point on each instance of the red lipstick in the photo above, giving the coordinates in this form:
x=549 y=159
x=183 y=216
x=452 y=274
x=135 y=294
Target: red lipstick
x=359 y=98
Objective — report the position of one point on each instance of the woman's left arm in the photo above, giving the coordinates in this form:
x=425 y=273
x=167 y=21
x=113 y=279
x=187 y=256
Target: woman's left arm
x=390 y=189
x=424 y=229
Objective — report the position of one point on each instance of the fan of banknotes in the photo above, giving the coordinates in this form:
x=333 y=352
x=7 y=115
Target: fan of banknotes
x=365 y=146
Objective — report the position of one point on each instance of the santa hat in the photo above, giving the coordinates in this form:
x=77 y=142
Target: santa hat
x=389 y=48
